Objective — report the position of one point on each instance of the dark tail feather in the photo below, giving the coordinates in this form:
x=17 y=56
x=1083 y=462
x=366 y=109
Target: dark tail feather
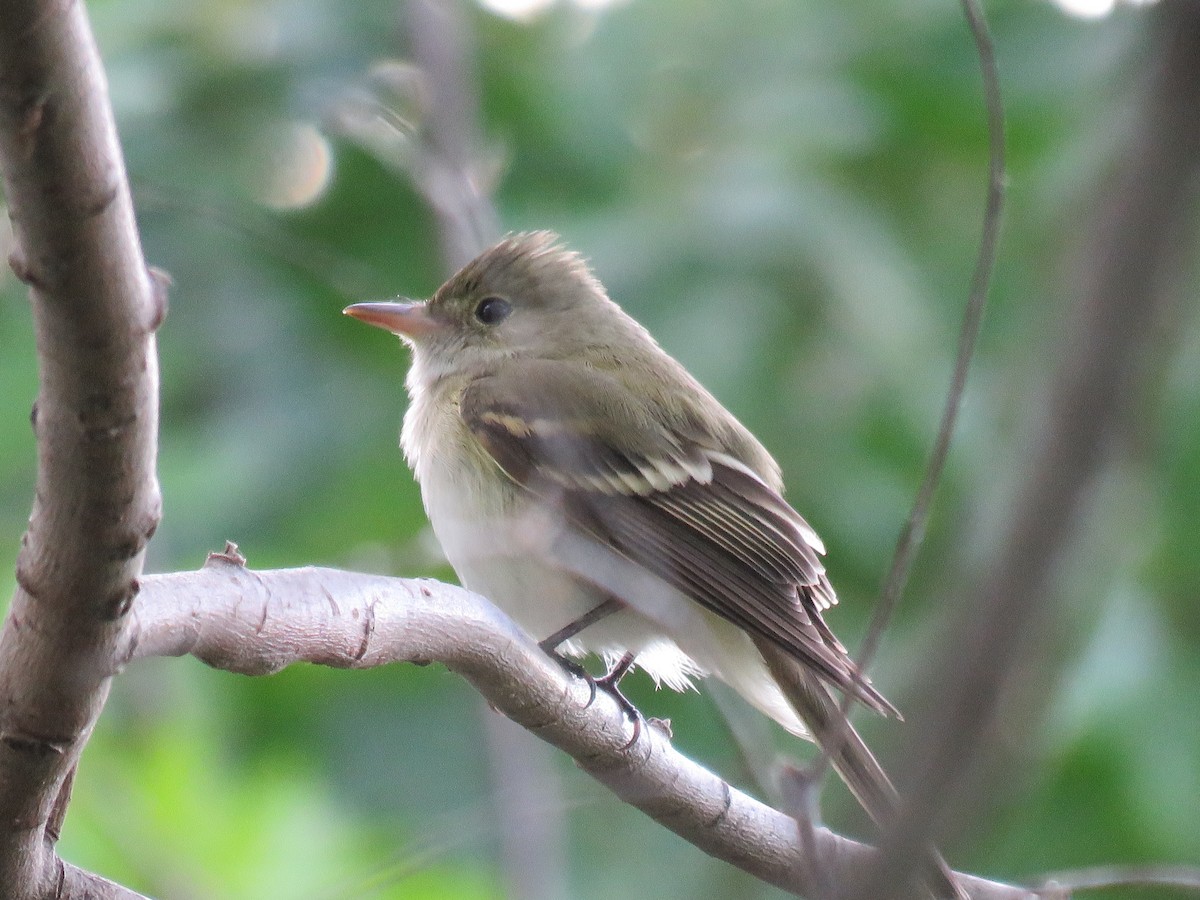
x=852 y=759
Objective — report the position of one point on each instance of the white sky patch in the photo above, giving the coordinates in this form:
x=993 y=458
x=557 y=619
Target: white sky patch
x=520 y=10
x=1095 y=9
x=525 y=10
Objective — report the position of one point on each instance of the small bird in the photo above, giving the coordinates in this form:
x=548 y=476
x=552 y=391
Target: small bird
x=581 y=479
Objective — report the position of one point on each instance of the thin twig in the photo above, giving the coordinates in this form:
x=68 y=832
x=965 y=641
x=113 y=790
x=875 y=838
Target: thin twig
x=1101 y=877
x=1069 y=882
x=913 y=531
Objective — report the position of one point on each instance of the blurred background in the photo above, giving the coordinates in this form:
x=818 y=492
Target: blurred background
x=789 y=195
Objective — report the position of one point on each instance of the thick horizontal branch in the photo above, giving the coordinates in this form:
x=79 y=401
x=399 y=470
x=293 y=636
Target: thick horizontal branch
x=255 y=623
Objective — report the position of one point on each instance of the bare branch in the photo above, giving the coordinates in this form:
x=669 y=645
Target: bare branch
x=912 y=533
x=95 y=309
x=450 y=174
x=258 y=622
x=1068 y=883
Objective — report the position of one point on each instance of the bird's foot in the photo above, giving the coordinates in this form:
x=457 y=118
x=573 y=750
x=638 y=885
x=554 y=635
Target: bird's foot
x=571 y=667
x=610 y=683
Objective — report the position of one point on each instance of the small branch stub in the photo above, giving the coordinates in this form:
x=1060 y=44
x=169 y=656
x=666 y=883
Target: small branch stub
x=231 y=555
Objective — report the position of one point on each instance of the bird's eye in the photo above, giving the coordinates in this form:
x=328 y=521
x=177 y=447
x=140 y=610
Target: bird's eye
x=492 y=310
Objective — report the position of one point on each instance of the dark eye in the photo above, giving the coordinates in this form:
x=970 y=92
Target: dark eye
x=492 y=310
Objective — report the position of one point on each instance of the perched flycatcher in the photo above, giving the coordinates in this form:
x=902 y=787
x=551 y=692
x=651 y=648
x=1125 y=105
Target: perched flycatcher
x=579 y=478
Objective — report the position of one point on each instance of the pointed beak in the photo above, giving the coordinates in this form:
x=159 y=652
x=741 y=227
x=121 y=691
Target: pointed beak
x=409 y=320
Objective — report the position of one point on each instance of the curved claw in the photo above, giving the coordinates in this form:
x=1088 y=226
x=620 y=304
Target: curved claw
x=637 y=731
x=573 y=668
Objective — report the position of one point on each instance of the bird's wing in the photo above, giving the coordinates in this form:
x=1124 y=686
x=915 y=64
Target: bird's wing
x=693 y=515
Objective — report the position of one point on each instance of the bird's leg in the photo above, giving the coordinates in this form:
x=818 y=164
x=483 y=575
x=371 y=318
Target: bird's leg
x=551 y=644
x=591 y=617
x=611 y=679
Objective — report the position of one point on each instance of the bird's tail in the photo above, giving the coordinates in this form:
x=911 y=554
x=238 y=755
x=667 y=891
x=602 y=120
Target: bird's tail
x=848 y=753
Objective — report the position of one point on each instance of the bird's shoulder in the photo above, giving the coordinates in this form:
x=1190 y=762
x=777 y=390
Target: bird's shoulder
x=608 y=413
x=576 y=426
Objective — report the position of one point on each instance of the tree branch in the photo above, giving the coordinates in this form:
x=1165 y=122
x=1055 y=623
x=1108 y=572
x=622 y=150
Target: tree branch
x=259 y=622
x=95 y=309
x=447 y=166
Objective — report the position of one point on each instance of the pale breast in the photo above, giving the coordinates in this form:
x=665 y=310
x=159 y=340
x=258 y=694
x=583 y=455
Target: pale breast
x=492 y=532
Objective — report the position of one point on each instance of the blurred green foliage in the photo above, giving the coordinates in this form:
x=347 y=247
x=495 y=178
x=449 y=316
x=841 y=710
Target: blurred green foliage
x=789 y=195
